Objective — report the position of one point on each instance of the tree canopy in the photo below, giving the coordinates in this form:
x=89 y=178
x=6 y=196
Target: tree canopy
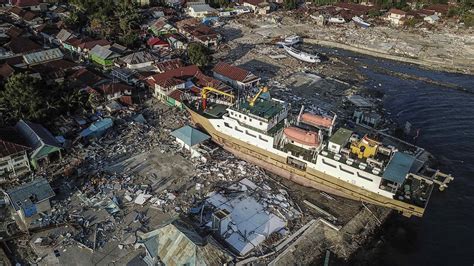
x=199 y=54
x=27 y=97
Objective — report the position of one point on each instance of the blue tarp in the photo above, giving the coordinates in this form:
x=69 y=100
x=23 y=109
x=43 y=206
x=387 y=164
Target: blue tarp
x=97 y=128
x=189 y=135
x=398 y=167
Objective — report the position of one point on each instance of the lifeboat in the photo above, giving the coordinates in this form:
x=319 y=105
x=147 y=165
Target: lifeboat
x=301 y=136
x=316 y=120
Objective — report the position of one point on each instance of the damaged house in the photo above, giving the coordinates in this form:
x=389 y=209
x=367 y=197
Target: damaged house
x=30 y=201
x=178 y=244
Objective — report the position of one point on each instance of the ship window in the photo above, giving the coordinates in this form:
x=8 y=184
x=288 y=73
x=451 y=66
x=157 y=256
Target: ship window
x=260 y=137
x=227 y=125
x=261 y=123
x=237 y=129
x=363 y=177
x=250 y=119
x=250 y=134
x=245 y=118
x=326 y=163
x=347 y=171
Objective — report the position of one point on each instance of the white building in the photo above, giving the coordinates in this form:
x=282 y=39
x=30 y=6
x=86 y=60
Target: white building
x=396 y=16
x=200 y=10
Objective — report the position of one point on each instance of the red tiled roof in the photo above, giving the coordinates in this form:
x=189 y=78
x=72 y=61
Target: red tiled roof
x=397 y=11
x=168 y=83
x=169 y=65
x=233 y=72
x=439 y=8
x=176 y=95
x=156 y=41
x=14 y=32
x=6 y=71
x=187 y=22
x=16 y=10
x=85 y=77
x=29 y=16
x=11 y=143
x=25 y=3
x=182 y=72
x=112 y=88
x=22 y=45
x=127 y=100
x=90 y=44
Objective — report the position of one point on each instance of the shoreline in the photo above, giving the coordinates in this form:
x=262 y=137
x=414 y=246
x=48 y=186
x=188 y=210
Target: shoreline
x=433 y=65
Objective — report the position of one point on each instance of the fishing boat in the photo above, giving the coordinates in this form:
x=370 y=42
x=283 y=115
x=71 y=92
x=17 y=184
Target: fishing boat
x=290 y=41
x=359 y=21
x=312 y=151
x=303 y=56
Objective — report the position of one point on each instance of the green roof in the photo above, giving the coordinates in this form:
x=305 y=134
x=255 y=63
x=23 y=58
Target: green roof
x=398 y=167
x=341 y=136
x=190 y=136
x=263 y=108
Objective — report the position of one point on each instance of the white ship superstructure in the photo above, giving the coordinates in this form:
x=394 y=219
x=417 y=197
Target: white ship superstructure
x=366 y=166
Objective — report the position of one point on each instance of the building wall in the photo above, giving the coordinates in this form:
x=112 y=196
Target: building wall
x=15 y=165
x=141 y=65
x=101 y=61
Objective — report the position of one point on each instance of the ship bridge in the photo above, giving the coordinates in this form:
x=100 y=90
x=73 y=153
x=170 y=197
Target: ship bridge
x=263 y=115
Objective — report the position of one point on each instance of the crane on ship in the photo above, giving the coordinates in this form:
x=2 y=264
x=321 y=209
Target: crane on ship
x=206 y=90
x=262 y=90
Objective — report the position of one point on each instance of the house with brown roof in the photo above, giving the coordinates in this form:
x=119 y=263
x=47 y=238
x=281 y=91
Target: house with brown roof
x=396 y=16
x=439 y=9
x=235 y=76
x=168 y=65
x=164 y=83
x=198 y=32
x=84 y=79
x=34 y=5
x=13 y=154
x=22 y=45
x=161 y=26
x=114 y=91
x=5 y=72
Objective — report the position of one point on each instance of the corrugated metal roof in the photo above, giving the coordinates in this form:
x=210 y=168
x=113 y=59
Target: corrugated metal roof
x=179 y=244
x=398 y=167
x=189 y=135
x=29 y=194
x=43 y=56
x=139 y=57
x=103 y=52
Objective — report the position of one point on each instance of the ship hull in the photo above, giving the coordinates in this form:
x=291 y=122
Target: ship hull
x=310 y=178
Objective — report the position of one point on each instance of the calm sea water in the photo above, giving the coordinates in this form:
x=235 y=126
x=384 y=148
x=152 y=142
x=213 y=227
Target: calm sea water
x=445 y=117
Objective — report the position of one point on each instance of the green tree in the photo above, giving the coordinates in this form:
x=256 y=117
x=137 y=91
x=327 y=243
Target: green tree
x=199 y=54
x=290 y=4
x=25 y=97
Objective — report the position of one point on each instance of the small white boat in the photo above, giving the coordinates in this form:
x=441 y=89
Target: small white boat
x=358 y=20
x=290 y=41
x=302 y=55
x=294 y=39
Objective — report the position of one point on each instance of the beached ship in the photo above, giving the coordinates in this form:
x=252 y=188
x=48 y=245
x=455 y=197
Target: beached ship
x=359 y=21
x=303 y=56
x=310 y=150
